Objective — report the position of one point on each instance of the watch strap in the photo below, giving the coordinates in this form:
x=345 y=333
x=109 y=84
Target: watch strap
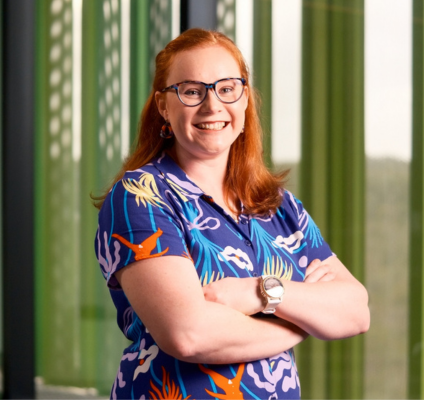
x=271 y=302
x=271 y=305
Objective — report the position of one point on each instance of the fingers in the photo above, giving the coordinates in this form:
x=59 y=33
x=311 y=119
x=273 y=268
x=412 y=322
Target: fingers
x=210 y=294
x=317 y=275
x=313 y=266
x=319 y=272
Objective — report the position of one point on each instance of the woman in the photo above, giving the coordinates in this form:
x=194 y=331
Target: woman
x=197 y=239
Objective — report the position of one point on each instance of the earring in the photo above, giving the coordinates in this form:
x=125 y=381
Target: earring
x=166 y=132
x=242 y=129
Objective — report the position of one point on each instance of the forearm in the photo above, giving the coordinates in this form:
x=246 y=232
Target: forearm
x=330 y=304
x=224 y=335
x=326 y=310
x=187 y=326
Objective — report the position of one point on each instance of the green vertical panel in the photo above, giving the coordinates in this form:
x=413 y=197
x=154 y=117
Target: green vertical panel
x=315 y=112
x=226 y=15
x=313 y=167
x=337 y=183
x=102 y=342
x=262 y=67
x=57 y=250
x=346 y=206
x=89 y=160
x=41 y=121
x=151 y=22
x=416 y=306
x=140 y=64
x=354 y=150
x=160 y=29
x=332 y=171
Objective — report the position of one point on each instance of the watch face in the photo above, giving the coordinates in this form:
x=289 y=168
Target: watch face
x=273 y=287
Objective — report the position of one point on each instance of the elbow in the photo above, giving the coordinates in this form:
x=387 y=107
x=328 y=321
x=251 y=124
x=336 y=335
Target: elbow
x=364 y=320
x=354 y=320
x=182 y=346
x=361 y=319
x=362 y=323
x=364 y=316
x=365 y=328
x=357 y=313
x=346 y=327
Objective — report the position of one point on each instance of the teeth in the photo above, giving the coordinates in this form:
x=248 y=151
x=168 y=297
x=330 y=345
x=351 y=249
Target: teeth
x=216 y=126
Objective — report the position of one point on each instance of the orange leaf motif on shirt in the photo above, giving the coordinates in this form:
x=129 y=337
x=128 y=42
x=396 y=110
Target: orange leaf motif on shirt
x=231 y=387
x=169 y=389
x=145 y=248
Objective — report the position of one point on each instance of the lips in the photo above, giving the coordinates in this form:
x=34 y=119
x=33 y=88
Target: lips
x=212 y=126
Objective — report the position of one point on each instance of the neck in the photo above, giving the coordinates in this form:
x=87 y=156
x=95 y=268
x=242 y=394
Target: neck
x=208 y=174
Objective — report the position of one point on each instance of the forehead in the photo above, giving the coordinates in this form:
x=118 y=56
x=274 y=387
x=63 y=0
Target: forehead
x=206 y=64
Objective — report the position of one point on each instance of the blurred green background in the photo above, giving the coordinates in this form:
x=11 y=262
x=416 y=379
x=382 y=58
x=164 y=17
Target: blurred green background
x=341 y=85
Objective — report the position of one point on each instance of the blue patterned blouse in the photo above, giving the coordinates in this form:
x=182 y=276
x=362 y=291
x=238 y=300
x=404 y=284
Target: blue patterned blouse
x=158 y=211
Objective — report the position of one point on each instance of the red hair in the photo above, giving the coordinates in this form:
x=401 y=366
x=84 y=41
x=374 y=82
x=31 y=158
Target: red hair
x=247 y=180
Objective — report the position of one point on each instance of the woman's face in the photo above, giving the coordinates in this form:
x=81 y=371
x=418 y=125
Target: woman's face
x=205 y=131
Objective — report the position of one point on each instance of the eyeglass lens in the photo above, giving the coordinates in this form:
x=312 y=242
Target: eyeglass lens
x=193 y=93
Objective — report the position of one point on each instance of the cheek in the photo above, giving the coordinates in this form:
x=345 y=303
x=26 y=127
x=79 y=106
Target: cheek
x=179 y=119
x=240 y=115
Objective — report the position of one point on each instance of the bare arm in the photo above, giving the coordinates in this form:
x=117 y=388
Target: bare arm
x=166 y=294
x=330 y=304
x=327 y=309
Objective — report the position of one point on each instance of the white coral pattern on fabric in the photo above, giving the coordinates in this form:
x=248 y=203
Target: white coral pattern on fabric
x=108 y=267
x=146 y=357
x=237 y=256
x=273 y=375
x=290 y=243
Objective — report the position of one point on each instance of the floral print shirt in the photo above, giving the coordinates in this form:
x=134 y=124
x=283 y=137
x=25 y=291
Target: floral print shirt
x=158 y=211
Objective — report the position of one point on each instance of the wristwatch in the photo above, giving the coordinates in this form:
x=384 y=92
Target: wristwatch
x=273 y=290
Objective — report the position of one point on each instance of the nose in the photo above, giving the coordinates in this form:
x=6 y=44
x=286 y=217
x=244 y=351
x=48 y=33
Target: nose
x=211 y=102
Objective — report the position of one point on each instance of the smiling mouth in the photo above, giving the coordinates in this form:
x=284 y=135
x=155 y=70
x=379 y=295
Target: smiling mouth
x=215 y=126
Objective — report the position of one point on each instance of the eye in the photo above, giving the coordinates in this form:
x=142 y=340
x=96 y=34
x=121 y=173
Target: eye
x=191 y=90
x=226 y=89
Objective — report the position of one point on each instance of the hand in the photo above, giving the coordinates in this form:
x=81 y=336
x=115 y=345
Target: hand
x=241 y=294
x=318 y=271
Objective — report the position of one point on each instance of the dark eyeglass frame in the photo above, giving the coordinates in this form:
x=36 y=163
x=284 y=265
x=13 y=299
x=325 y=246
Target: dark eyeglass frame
x=207 y=86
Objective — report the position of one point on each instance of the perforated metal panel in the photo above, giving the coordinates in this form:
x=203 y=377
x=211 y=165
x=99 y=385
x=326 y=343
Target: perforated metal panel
x=109 y=86
x=61 y=179
x=78 y=341
x=100 y=161
x=226 y=10
x=160 y=28
x=57 y=198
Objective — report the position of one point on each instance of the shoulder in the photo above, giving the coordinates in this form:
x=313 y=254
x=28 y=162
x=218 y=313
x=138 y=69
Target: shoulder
x=138 y=220
x=144 y=185
x=291 y=205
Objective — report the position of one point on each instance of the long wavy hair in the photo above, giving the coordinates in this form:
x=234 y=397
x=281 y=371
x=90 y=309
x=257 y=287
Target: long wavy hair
x=247 y=181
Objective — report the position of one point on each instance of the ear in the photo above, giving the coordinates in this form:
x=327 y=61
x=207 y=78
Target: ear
x=161 y=104
x=246 y=94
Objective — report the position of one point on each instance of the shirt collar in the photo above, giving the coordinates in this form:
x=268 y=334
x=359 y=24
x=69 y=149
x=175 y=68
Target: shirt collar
x=179 y=180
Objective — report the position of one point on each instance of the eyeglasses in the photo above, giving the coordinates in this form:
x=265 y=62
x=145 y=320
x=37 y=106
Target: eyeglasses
x=193 y=93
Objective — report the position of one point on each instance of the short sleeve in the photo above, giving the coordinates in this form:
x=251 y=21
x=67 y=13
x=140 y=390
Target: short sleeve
x=137 y=221
x=316 y=246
